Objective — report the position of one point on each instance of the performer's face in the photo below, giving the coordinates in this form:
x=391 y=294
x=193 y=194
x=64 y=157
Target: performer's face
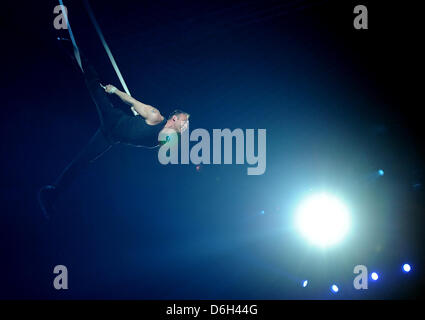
x=181 y=122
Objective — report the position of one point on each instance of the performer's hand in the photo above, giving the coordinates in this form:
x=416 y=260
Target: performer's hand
x=110 y=89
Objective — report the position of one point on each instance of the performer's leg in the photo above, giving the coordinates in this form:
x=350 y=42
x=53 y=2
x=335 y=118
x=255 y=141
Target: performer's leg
x=96 y=147
x=108 y=115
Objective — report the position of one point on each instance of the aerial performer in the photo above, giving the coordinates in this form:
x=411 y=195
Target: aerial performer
x=147 y=128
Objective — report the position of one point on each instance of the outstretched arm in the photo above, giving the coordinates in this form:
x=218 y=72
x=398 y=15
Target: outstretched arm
x=151 y=114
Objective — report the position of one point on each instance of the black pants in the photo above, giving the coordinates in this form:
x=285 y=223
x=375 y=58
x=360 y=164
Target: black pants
x=105 y=136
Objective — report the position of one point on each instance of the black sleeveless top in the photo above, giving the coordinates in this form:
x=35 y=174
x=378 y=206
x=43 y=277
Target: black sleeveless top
x=135 y=131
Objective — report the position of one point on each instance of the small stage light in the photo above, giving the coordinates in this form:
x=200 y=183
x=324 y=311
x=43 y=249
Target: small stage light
x=374 y=276
x=334 y=288
x=305 y=283
x=381 y=172
x=407 y=267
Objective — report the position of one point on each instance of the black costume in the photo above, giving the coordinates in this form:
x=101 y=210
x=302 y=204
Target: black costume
x=115 y=127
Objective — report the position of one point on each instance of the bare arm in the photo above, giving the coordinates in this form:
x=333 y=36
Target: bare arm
x=151 y=114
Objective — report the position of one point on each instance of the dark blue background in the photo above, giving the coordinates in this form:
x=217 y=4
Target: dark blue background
x=338 y=104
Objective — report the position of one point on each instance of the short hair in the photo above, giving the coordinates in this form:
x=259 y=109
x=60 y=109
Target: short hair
x=177 y=112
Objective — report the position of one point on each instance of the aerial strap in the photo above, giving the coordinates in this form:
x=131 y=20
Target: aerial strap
x=71 y=35
x=108 y=51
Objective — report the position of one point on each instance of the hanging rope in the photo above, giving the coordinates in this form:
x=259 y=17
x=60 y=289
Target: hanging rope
x=108 y=51
x=71 y=35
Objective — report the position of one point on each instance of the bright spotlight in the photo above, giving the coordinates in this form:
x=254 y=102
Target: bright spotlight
x=305 y=283
x=322 y=219
x=374 y=276
x=381 y=172
x=334 y=288
x=406 y=267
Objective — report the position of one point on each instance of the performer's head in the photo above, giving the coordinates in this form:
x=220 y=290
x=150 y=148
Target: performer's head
x=178 y=120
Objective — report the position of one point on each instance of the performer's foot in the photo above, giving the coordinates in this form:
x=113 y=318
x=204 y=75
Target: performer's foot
x=67 y=46
x=90 y=75
x=46 y=198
